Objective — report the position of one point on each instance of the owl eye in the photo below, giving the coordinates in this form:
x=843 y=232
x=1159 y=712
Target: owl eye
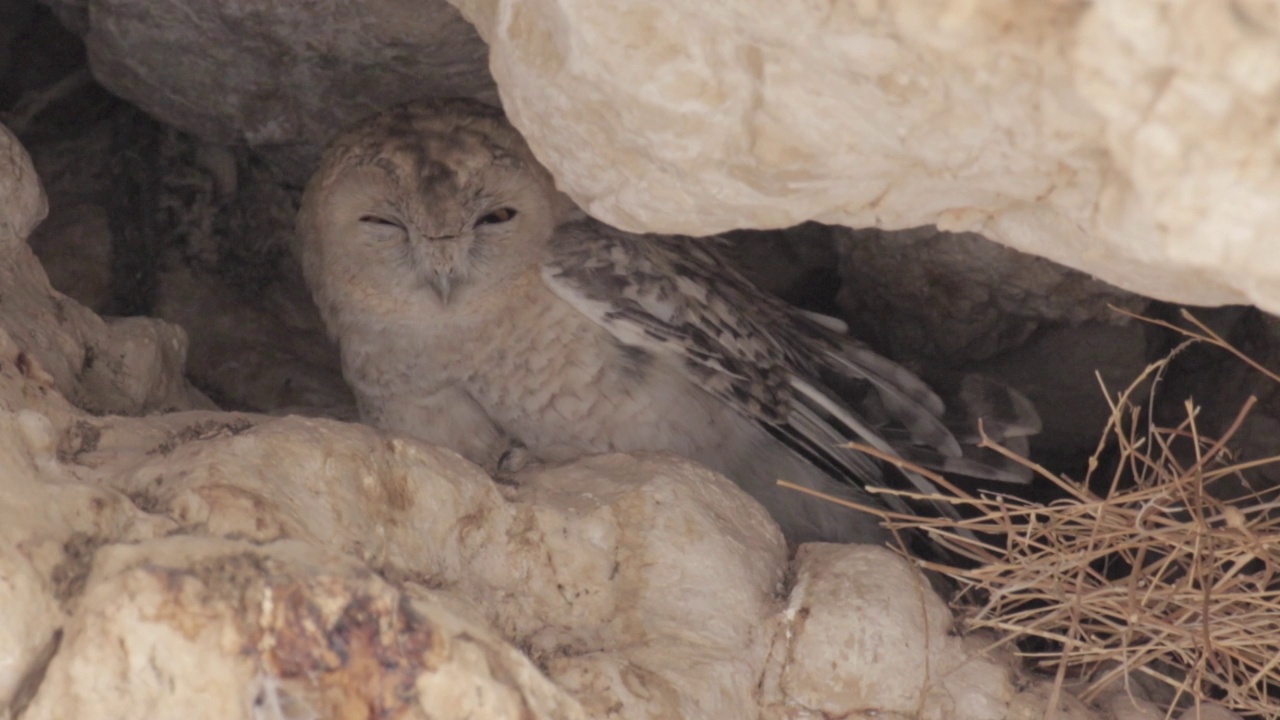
x=497 y=217
x=380 y=220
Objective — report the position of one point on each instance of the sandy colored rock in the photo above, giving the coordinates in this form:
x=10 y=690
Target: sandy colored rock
x=25 y=204
x=619 y=575
x=1133 y=141
x=864 y=607
x=686 y=645
x=50 y=526
x=264 y=355
x=1188 y=94
x=125 y=366
x=608 y=565
x=204 y=628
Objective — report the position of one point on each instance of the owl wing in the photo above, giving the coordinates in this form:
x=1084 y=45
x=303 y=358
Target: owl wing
x=789 y=372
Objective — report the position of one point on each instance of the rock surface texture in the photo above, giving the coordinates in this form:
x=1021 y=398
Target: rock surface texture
x=957 y=297
x=222 y=565
x=1132 y=140
x=276 y=73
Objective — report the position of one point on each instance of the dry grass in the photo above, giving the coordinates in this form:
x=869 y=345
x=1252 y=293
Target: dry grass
x=1155 y=576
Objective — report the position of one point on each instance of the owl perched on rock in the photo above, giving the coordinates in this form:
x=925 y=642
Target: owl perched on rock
x=478 y=309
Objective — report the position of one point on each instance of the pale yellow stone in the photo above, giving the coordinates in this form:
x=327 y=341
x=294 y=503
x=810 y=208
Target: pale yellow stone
x=1133 y=139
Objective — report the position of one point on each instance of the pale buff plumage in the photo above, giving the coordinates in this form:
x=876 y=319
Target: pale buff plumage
x=476 y=308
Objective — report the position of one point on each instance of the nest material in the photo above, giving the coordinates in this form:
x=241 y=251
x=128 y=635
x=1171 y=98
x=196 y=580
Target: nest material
x=1156 y=576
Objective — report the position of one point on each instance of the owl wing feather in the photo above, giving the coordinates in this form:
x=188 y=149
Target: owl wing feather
x=793 y=375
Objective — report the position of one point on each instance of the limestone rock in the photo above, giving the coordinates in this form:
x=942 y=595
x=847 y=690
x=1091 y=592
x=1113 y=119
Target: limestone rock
x=800 y=264
x=862 y=606
x=958 y=297
x=13 y=17
x=25 y=204
x=276 y=73
x=619 y=575
x=128 y=366
x=75 y=244
x=683 y=628
x=50 y=525
x=201 y=247
x=206 y=628
x=1128 y=140
x=1188 y=95
x=1133 y=141
x=268 y=354
x=74 y=248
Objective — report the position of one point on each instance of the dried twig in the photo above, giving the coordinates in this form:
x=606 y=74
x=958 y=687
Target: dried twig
x=1156 y=575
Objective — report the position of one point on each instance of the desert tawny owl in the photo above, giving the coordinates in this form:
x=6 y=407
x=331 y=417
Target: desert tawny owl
x=475 y=307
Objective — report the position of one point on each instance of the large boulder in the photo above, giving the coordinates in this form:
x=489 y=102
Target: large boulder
x=1131 y=139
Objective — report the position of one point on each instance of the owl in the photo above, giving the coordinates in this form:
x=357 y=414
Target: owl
x=477 y=308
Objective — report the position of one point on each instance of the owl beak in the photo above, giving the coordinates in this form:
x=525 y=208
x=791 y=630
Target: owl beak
x=442 y=284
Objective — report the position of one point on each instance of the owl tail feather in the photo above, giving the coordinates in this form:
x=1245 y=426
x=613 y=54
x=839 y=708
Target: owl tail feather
x=977 y=407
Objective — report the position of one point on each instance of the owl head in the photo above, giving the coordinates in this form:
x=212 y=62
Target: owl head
x=426 y=205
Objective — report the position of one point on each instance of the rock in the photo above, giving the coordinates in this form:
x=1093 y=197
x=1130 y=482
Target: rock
x=50 y=527
x=75 y=244
x=202 y=246
x=1187 y=92
x=863 y=606
x=131 y=367
x=137 y=367
x=619 y=575
x=277 y=73
x=74 y=247
x=25 y=204
x=635 y=583
x=955 y=298
x=15 y=16
x=1132 y=143
x=268 y=353
x=80 y=171
x=35 y=52
x=274 y=631
x=798 y=264
x=687 y=615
